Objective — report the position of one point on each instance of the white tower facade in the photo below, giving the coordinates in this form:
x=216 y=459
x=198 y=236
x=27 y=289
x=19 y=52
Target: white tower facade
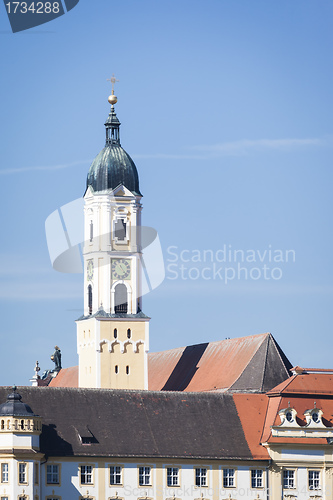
x=113 y=333
x=112 y=251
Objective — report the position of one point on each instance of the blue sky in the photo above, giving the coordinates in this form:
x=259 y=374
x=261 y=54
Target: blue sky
x=226 y=108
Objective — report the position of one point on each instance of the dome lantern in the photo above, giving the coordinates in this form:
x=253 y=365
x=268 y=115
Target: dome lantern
x=113 y=166
x=112 y=123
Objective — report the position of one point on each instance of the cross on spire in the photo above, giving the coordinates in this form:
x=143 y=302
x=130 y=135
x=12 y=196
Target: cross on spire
x=113 y=80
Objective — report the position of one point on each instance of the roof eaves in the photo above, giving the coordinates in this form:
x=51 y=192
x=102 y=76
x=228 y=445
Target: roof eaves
x=285 y=384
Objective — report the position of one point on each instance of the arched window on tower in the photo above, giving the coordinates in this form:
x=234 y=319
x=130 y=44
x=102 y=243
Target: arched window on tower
x=91 y=232
x=129 y=334
x=90 y=299
x=120 y=299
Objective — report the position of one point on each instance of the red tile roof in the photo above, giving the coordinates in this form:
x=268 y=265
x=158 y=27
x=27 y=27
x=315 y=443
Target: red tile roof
x=217 y=365
x=67 y=377
x=251 y=409
x=313 y=383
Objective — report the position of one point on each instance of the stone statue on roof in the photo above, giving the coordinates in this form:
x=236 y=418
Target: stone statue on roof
x=56 y=358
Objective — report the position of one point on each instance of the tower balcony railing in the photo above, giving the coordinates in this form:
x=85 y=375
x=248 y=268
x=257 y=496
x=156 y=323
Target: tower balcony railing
x=121 y=308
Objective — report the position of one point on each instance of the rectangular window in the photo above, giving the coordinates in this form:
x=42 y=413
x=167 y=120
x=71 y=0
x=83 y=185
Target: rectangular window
x=120 y=230
x=288 y=479
x=36 y=473
x=22 y=473
x=115 y=474
x=256 y=478
x=228 y=478
x=314 y=479
x=144 y=476
x=172 y=476
x=200 y=477
x=86 y=474
x=4 y=473
x=52 y=474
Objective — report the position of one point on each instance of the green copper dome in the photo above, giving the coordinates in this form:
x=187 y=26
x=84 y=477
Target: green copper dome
x=113 y=166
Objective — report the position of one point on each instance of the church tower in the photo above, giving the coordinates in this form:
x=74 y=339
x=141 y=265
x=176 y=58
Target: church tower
x=113 y=333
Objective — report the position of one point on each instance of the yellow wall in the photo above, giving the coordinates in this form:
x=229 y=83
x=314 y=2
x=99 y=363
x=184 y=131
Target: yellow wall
x=100 y=353
x=133 y=355
x=86 y=338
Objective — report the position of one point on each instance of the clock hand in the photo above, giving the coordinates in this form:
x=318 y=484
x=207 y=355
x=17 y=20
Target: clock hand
x=118 y=269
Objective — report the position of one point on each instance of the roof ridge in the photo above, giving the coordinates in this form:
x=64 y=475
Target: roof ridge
x=278 y=351
x=216 y=342
x=139 y=392
x=265 y=363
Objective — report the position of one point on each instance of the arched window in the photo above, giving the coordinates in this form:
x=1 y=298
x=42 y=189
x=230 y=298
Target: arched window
x=129 y=334
x=116 y=369
x=90 y=299
x=2 y=424
x=115 y=333
x=127 y=370
x=22 y=424
x=120 y=299
x=91 y=235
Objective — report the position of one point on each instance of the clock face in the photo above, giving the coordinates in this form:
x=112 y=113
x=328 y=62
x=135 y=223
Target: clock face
x=90 y=270
x=121 y=269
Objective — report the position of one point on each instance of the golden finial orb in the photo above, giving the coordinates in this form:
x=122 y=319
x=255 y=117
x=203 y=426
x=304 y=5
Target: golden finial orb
x=112 y=99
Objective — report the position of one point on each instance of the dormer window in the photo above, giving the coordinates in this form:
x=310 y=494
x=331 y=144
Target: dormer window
x=315 y=417
x=289 y=416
